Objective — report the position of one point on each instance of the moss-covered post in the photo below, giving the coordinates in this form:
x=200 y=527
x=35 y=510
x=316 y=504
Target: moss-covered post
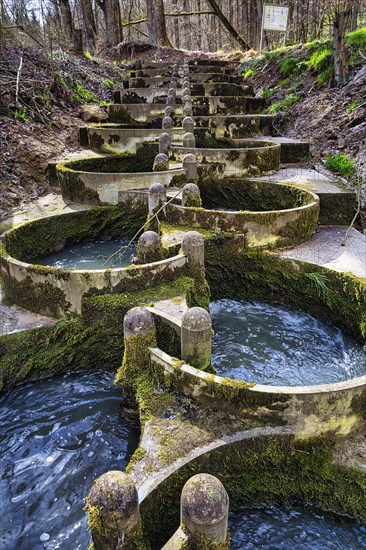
x=149 y=248
x=193 y=246
x=188 y=124
x=172 y=91
x=170 y=100
x=189 y=140
x=114 y=516
x=164 y=143
x=191 y=196
x=189 y=163
x=186 y=92
x=187 y=109
x=168 y=111
x=139 y=336
x=167 y=123
x=156 y=198
x=161 y=163
x=186 y=82
x=196 y=338
x=204 y=512
x=173 y=83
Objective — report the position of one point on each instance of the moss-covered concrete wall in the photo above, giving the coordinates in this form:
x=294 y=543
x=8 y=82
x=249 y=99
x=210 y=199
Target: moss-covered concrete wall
x=93 y=340
x=253 y=160
x=272 y=229
x=55 y=292
x=258 y=468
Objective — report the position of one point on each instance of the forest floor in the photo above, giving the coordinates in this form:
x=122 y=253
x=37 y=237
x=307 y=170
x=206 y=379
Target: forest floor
x=44 y=125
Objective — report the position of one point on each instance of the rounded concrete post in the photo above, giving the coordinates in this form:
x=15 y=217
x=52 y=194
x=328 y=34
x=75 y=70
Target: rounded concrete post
x=138 y=321
x=193 y=246
x=196 y=338
x=186 y=83
x=170 y=100
x=156 y=197
x=113 y=508
x=149 y=248
x=168 y=111
x=186 y=98
x=161 y=163
x=164 y=143
x=189 y=140
x=205 y=508
x=191 y=195
x=172 y=91
x=186 y=91
x=188 y=124
x=173 y=83
x=187 y=109
x=167 y=123
x=189 y=163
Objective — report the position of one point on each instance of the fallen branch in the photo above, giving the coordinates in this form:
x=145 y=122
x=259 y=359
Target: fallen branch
x=19 y=72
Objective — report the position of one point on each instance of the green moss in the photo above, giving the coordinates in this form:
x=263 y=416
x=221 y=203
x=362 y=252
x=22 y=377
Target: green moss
x=341 y=164
x=357 y=38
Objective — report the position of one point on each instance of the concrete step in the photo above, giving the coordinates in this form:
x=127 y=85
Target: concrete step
x=337 y=202
x=325 y=249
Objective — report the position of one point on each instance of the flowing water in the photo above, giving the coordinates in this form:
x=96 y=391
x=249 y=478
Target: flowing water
x=56 y=437
x=274 y=528
x=269 y=344
x=91 y=255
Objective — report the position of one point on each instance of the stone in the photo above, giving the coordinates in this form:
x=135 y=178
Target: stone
x=172 y=92
x=149 y=248
x=188 y=124
x=93 y=113
x=191 y=196
x=187 y=109
x=167 y=123
x=168 y=111
x=205 y=508
x=115 y=499
x=189 y=163
x=161 y=163
x=156 y=197
x=189 y=140
x=196 y=339
x=193 y=246
x=164 y=143
x=138 y=320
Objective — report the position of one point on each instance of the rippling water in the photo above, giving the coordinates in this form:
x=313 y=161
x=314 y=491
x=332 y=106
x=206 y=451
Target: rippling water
x=56 y=437
x=91 y=255
x=275 y=528
x=268 y=344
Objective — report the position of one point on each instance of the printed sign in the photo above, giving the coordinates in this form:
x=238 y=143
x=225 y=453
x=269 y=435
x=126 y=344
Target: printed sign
x=275 y=18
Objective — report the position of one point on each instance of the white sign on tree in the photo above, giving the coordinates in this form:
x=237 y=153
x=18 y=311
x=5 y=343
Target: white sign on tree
x=274 y=19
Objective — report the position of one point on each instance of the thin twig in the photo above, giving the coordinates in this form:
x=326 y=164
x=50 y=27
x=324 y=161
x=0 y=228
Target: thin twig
x=359 y=185
x=122 y=250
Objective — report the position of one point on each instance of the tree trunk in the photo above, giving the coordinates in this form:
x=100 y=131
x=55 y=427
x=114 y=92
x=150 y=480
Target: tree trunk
x=156 y=23
x=354 y=15
x=66 y=20
x=339 y=31
x=112 y=16
x=89 y=25
x=176 y=25
x=215 y=8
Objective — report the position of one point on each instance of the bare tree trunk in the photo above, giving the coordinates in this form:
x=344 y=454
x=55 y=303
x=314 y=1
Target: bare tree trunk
x=217 y=11
x=354 y=15
x=89 y=25
x=339 y=31
x=112 y=16
x=176 y=25
x=156 y=23
x=66 y=20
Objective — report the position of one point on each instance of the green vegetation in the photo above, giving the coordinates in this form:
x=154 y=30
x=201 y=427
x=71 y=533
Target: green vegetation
x=357 y=38
x=249 y=73
x=340 y=164
x=321 y=59
x=267 y=93
x=82 y=94
x=351 y=107
x=88 y=55
x=21 y=115
x=326 y=76
x=108 y=83
x=285 y=104
x=288 y=66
